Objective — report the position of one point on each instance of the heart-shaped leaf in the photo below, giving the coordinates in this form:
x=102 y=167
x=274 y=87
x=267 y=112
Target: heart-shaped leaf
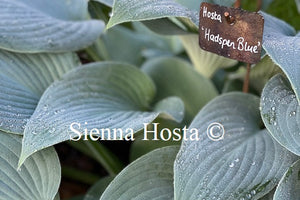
x=206 y=63
x=37 y=179
x=24 y=78
x=241 y=162
x=175 y=77
x=283 y=46
x=50 y=26
x=149 y=177
x=289 y=185
x=98 y=96
x=281 y=113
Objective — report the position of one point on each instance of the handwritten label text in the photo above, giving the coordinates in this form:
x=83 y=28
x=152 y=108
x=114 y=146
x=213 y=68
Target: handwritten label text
x=240 y=44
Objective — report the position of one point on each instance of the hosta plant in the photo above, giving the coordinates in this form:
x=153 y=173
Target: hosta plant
x=77 y=73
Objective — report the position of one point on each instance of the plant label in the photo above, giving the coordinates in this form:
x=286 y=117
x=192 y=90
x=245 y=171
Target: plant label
x=231 y=32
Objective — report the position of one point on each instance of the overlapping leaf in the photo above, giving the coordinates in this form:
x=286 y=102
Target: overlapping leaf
x=138 y=44
x=206 y=63
x=50 y=26
x=280 y=111
x=283 y=46
x=175 y=77
x=177 y=15
x=289 y=186
x=136 y=10
x=24 y=78
x=247 y=163
x=104 y=95
x=149 y=177
x=195 y=4
x=146 y=142
x=262 y=72
x=37 y=179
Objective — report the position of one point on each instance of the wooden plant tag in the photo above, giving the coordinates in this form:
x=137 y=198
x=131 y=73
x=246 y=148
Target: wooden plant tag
x=231 y=32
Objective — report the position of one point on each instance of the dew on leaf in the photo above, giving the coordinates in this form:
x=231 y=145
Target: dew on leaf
x=293 y=113
x=248 y=196
x=273 y=108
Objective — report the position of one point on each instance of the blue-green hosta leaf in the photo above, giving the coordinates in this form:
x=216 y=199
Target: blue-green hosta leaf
x=17 y=104
x=149 y=177
x=108 y=3
x=281 y=113
x=289 y=185
x=65 y=10
x=298 y=5
x=175 y=77
x=52 y=26
x=171 y=107
x=283 y=46
x=98 y=188
x=100 y=95
x=141 y=10
x=136 y=43
x=183 y=14
x=206 y=63
x=24 y=78
x=37 y=179
x=165 y=43
x=141 y=146
x=262 y=72
x=247 y=163
x=57 y=197
x=165 y=26
x=195 y=4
